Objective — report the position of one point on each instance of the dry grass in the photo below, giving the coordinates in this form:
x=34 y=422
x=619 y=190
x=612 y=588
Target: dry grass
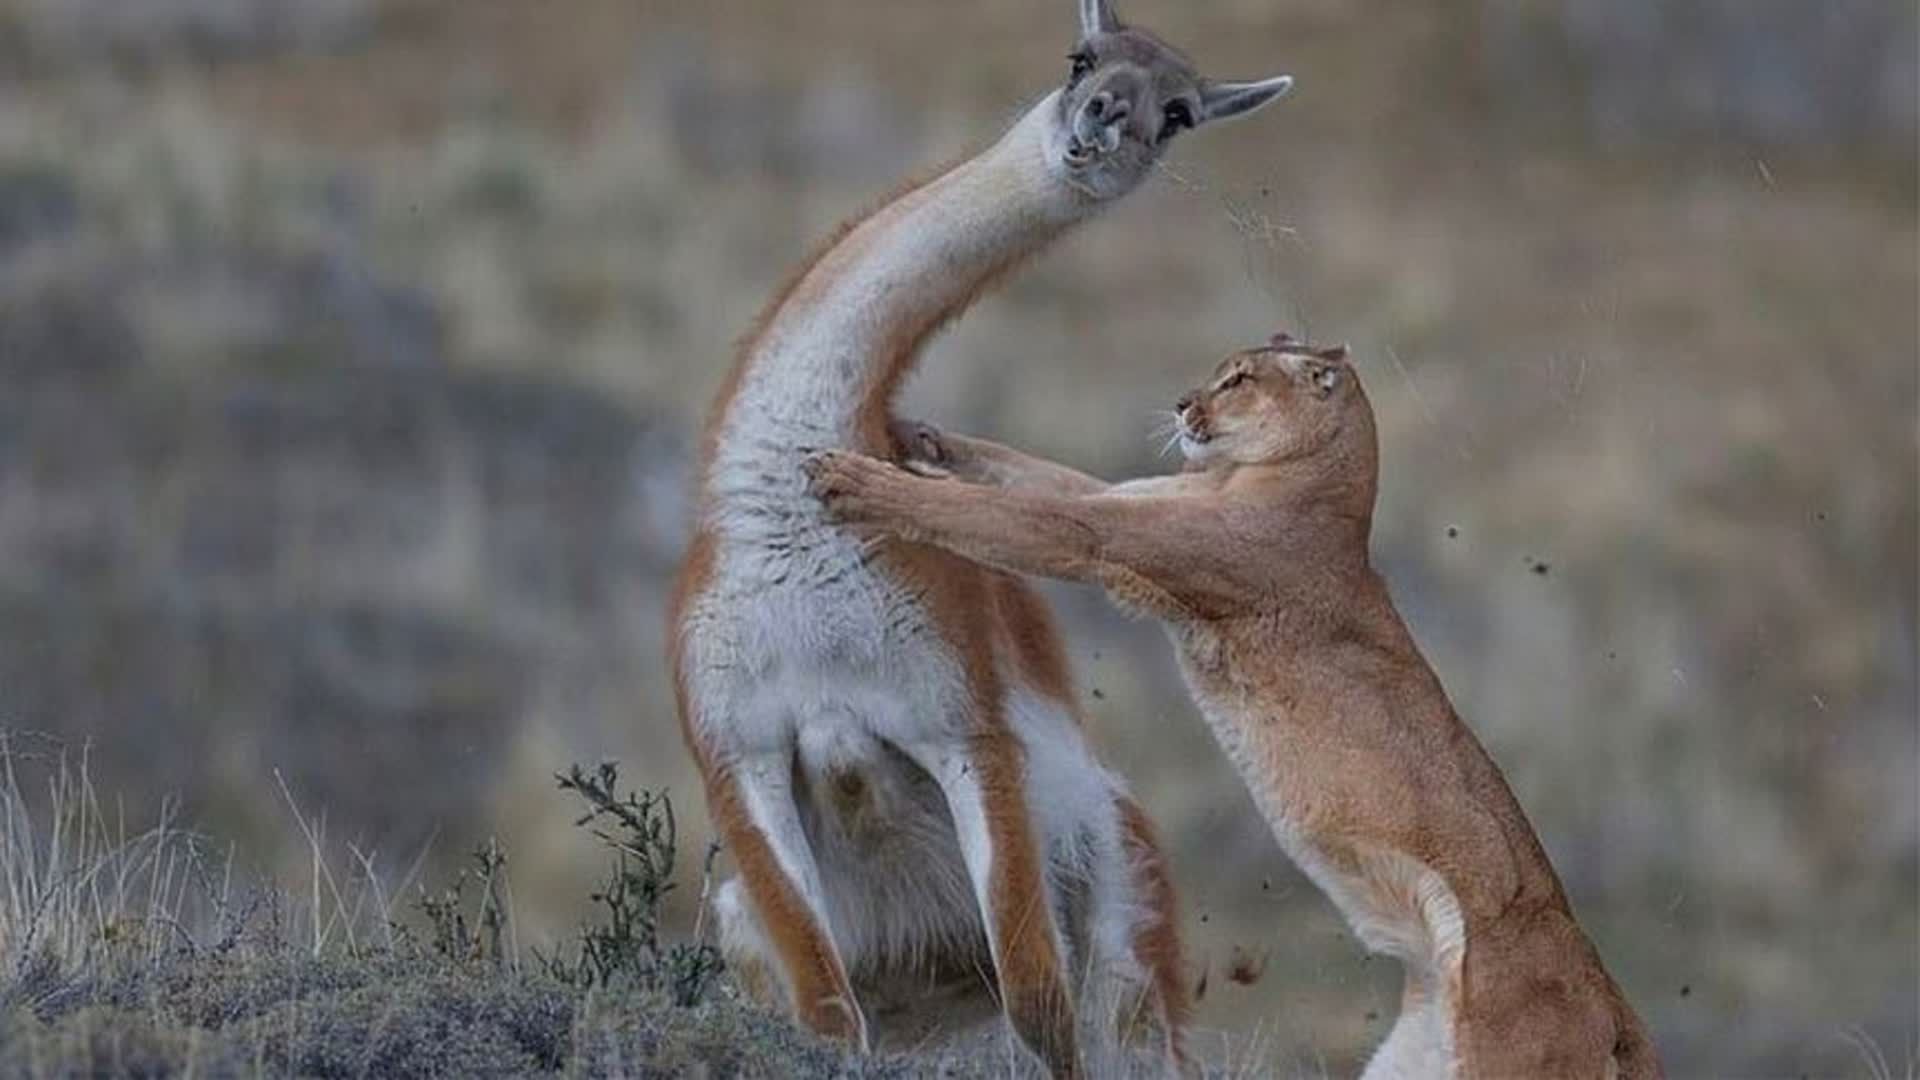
x=78 y=889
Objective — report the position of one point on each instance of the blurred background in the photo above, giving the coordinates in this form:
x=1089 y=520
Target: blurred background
x=350 y=353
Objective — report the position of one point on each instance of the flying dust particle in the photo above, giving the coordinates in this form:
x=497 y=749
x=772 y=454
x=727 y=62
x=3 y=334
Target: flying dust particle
x=1246 y=968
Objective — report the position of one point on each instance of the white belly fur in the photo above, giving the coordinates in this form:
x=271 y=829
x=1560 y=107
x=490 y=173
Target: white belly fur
x=797 y=646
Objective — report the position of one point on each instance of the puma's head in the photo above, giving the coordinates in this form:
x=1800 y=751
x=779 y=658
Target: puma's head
x=1281 y=401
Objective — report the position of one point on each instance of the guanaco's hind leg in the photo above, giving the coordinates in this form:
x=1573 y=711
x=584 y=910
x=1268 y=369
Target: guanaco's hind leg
x=752 y=803
x=985 y=785
x=750 y=960
x=1156 y=940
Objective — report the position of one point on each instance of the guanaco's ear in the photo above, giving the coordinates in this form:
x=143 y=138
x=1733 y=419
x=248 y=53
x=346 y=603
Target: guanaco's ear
x=1096 y=17
x=1224 y=100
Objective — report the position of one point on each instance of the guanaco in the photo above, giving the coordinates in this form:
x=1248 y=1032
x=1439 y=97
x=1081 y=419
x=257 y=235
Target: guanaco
x=889 y=736
x=1256 y=558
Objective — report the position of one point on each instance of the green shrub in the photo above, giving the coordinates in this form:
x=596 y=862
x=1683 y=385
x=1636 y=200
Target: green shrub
x=639 y=828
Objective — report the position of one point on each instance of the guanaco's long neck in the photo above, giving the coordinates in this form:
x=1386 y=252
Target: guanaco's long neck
x=824 y=370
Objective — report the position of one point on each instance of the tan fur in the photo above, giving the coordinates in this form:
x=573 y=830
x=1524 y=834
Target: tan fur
x=1258 y=560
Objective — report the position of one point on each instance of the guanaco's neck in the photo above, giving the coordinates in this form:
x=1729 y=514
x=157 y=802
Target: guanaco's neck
x=825 y=366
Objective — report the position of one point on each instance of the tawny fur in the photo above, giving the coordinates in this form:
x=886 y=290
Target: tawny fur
x=1257 y=558
x=889 y=735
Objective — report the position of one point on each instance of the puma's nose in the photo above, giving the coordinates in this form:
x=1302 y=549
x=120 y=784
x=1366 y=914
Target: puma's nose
x=1193 y=418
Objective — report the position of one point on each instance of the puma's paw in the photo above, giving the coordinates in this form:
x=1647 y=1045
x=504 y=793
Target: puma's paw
x=851 y=485
x=921 y=449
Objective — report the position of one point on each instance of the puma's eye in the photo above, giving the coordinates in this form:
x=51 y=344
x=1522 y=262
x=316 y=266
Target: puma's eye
x=1082 y=63
x=1234 y=380
x=1176 y=118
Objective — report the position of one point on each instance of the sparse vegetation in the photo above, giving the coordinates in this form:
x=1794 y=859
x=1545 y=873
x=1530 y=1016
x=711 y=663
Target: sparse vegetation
x=627 y=946
x=481 y=939
x=134 y=954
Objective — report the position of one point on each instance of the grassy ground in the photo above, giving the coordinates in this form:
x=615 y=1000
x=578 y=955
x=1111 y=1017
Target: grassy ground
x=284 y=1012
x=145 y=955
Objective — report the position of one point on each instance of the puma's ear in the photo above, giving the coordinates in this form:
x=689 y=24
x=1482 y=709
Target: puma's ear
x=1324 y=377
x=1316 y=369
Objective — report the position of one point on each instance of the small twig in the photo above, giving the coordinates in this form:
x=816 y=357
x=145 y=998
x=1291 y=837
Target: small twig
x=706 y=892
x=321 y=872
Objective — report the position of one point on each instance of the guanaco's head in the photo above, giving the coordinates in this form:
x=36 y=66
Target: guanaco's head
x=1127 y=95
x=1285 y=400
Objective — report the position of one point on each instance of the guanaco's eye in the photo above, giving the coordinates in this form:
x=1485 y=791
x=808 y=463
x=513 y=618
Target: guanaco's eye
x=1082 y=63
x=1175 y=119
